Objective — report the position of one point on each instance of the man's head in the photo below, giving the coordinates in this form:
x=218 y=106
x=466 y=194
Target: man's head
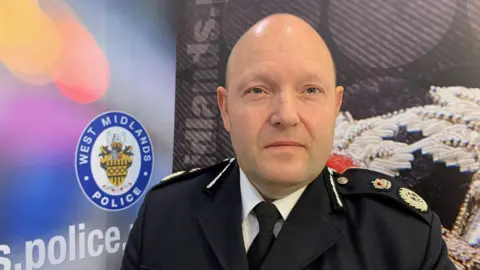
x=280 y=103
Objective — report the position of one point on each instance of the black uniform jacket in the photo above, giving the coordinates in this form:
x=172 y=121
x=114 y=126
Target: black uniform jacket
x=358 y=220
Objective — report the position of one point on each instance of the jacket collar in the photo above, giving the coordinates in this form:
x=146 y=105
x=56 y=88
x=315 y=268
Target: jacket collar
x=308 y=233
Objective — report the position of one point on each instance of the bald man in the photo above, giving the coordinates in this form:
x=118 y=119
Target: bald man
x=276 y=205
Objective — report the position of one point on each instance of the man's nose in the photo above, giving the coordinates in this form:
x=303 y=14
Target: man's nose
x=284 y=110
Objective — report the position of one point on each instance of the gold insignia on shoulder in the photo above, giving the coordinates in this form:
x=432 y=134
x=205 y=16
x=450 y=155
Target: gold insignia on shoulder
x=382 y=184
x=170 y=176
x=413 y=199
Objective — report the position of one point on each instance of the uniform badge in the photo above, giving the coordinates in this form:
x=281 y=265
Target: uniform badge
x=413 y=199
x=381 y=184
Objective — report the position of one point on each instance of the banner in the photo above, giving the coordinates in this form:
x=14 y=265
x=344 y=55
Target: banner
x=410 y=71
x=86 y=126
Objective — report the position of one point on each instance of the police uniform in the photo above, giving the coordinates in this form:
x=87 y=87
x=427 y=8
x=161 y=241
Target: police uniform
x=356 y=220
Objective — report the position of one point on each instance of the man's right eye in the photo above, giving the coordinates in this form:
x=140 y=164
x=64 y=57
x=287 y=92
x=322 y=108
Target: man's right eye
x=256 y=90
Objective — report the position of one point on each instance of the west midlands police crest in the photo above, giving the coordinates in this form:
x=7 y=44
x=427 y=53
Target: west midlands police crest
x=114 y=161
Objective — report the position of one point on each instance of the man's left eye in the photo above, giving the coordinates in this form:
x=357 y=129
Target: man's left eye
x=312 y=90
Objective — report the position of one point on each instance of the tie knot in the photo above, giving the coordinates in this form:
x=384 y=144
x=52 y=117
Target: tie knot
x=267 y=216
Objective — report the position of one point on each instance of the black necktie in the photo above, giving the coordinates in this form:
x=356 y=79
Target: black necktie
x=267 y=216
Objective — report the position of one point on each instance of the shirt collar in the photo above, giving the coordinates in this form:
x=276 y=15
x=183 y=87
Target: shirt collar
x=251 y=197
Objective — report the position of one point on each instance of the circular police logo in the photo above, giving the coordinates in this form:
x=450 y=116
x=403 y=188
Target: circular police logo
x=114 y=161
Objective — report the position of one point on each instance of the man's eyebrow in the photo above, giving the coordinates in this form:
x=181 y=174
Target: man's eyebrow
x=253 y=74
x=263 y=74
x=313 y=76
x=256 y=74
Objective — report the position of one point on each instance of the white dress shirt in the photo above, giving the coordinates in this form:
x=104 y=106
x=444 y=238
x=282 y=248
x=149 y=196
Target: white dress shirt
x=250 y=198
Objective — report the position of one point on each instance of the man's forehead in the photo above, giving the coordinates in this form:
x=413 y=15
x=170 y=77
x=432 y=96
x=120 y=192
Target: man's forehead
x=303 y=65
x=269 y=71
x=272 y=53
x=261 y=61
x=281 y=44
x=291 y=42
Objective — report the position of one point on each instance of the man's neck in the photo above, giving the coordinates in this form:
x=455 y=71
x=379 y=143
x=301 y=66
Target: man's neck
x=274 y=191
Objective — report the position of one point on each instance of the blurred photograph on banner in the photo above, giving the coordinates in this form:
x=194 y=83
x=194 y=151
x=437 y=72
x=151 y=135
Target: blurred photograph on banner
x=87 y=94
x=411 y=105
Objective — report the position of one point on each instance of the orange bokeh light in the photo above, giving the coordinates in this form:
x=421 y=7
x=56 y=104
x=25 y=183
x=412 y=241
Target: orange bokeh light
x=29 y=41
x=48 y=43
x=82 y=72
x=33 y=79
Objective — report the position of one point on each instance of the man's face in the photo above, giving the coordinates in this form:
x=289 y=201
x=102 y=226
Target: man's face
x=280 y=109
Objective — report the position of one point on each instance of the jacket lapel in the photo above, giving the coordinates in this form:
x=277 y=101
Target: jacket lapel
x=308 y=232
x=221 y=221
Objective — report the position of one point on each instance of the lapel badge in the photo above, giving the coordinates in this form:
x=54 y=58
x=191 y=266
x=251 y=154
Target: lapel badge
x=413 y=199
x=381 y=184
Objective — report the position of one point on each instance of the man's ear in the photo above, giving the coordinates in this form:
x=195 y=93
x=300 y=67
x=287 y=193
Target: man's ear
x=338 y=98
x=222 y=100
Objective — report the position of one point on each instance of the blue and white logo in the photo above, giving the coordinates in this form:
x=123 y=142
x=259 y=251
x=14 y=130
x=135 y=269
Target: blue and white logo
x=114 y=161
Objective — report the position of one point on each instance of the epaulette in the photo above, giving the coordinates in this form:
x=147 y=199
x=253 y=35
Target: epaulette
x=180 y=176
x=356 y=181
